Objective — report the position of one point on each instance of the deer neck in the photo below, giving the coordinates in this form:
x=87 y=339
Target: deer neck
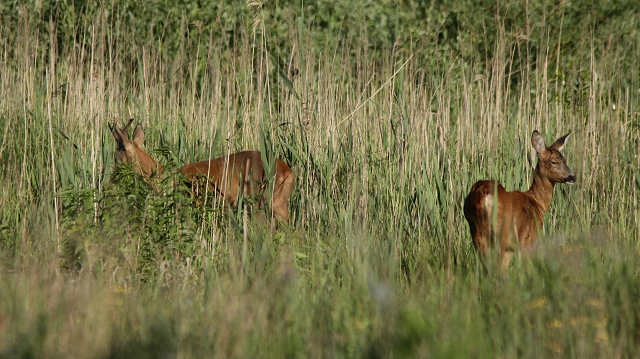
x=541 y=191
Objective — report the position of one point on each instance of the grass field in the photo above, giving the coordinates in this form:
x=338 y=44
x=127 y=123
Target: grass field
x=385 y=141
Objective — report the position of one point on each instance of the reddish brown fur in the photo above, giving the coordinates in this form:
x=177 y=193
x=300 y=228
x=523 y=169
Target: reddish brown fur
x=520 y=214
x=228 y=177
x=227 y=174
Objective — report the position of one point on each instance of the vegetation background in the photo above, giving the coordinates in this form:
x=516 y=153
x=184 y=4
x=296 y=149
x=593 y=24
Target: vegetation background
x=387 y=111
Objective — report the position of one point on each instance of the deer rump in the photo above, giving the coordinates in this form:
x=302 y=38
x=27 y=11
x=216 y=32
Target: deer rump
x=509 y=221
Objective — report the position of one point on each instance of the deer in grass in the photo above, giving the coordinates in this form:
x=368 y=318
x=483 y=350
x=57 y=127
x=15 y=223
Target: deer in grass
x=519 y=215
x=228 y=177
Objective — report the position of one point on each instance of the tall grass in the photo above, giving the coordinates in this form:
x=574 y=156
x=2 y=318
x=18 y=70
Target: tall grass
x=385 y=144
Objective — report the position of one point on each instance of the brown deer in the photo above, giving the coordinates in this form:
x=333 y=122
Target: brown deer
x=519 y=214
x=228 y=177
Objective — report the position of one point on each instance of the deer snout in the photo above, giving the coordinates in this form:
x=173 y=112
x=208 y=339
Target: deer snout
x=571 y=179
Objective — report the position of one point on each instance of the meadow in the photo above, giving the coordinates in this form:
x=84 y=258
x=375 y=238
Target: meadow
x=387 y=113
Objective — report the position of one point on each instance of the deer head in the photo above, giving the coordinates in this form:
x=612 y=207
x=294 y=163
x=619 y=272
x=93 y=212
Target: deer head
x=132 y=152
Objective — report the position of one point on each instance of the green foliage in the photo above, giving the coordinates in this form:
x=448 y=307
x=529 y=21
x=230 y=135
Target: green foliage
x=436 y=31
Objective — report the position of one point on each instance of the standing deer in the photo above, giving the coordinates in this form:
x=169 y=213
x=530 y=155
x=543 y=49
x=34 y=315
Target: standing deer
x=228 y=177
x=520 y=214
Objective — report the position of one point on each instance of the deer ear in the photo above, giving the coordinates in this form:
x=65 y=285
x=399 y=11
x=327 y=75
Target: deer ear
x=121 y=139
x=560 y=142
x=537 y=142
x=138 y=136
x=114 y=131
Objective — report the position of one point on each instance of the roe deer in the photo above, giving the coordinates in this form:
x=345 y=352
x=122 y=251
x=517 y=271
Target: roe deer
x=520 y=214
x=228 y=177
